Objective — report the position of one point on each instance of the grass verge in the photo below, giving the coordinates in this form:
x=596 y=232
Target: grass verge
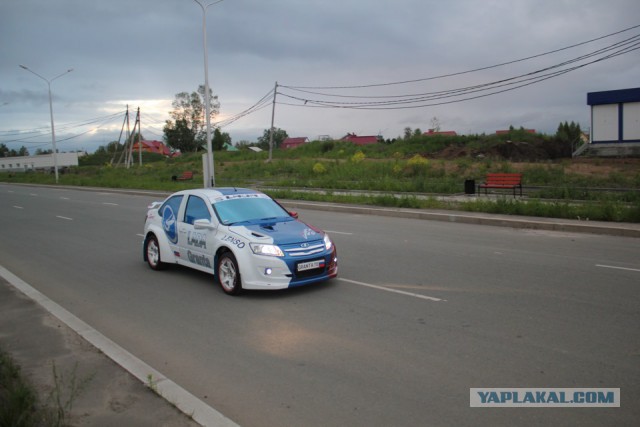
x=18 y=400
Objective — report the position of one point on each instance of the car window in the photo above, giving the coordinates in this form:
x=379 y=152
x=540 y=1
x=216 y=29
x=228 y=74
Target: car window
x=173 y=203
x=196 y=209
x=248 y=209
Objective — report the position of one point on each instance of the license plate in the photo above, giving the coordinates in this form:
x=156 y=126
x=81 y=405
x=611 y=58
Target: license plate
x=310 y=265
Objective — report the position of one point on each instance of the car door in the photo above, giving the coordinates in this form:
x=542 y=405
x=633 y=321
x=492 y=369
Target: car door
x=196 y=245
x=169 y=213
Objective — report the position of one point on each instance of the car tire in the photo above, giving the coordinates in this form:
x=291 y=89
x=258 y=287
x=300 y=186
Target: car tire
x=152 y=253
x=228 y=274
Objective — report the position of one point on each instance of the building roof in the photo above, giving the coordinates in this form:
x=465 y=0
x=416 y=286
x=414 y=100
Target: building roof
x=294 y=142
x=360 y=140
x=153 y=147
x=613 y=96
x=506 y=131
x=431 y=132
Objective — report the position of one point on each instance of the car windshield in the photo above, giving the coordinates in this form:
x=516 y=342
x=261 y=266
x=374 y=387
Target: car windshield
x=238 y=210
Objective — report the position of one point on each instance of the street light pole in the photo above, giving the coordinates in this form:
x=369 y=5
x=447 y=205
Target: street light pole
x=209 y=175
x=53 y=131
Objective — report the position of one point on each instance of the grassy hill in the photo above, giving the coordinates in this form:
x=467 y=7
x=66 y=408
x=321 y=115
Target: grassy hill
x=404 y=173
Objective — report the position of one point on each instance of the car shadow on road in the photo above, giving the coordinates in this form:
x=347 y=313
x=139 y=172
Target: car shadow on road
x=207 y=280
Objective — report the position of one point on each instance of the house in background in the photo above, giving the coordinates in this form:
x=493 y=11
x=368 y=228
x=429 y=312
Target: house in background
x=507 y=131
x=432 y=132
x=41 y=162
x=293 y=142
x=229 y=147
x=152 y=147
x=615 y=123
x=360 y=140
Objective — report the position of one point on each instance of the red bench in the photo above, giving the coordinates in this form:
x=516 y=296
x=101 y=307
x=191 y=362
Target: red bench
x=186 y=175
x=503 y=181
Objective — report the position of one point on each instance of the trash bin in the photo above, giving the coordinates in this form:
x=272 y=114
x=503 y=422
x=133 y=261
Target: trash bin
x=469 y=186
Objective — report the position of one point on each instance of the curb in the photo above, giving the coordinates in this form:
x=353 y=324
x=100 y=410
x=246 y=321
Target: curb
x=186 y=402
x=548 y=224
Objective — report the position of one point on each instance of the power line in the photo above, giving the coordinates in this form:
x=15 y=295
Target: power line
x=262 y=103
x=468 y=71
x=464 y=93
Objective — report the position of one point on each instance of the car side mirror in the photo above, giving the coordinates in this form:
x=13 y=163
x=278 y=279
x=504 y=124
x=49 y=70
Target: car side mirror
x=293 y=214
x=203 y=224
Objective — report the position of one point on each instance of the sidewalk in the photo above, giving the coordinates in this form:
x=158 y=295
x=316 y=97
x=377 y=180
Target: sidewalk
x=36 y=340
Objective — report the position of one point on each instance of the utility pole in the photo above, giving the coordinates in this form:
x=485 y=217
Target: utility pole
x=139 y=136
x=273 y=115
x=209 y=173
x=53 y=130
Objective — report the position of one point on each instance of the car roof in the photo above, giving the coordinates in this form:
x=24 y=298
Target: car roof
x=219 y=194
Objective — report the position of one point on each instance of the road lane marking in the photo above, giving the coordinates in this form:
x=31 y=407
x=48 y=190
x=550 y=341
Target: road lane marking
x=110 y=204
x=141 y=235
x=18 y=207
x=185 y=401
x=395 y=291
x=64 y=217
x=338 y=232
x=64 y=198
x=618 y=268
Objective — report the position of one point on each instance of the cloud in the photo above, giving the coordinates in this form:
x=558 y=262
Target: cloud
x=147 y=51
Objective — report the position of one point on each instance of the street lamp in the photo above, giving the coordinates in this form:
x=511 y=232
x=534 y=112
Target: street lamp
x=53 y=132
x=209 y=176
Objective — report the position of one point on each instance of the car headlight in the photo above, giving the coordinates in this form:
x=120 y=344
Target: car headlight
x=328 y=244
x=269 y=250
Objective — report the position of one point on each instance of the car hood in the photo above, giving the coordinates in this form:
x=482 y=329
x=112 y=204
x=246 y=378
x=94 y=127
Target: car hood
x=279 y=233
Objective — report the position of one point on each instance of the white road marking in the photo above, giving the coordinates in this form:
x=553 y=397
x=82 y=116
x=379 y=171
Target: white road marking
x=64 y=217
x=395 y=291
x=110 y=204
x=18 y=207
x=64 y=198
x=618 y=268
x=338 y=232
x=141 y=235
x=33 y=194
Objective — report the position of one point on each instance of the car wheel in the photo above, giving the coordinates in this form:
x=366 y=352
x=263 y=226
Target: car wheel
x=152 y=251
x=228 y=274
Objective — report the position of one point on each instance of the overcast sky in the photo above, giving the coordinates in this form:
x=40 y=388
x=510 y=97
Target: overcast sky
x=142 y=53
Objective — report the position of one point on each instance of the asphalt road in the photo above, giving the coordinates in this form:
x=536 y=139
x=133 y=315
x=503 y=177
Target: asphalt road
x=422 y=311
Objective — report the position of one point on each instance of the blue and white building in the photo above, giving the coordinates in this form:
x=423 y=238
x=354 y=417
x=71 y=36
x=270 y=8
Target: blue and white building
x=615 y=122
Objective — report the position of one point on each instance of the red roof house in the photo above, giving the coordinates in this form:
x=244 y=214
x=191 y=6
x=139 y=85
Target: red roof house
x=432 y=132
x=360 y=140
x=293 y=142
x=505 y=132
x=153 y=147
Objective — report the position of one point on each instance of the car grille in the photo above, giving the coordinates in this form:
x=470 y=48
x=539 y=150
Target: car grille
x=304 y=249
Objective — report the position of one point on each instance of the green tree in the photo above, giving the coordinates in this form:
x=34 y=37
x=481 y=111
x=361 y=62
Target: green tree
x=186 y=131
x=219 y=139
x=569 y=132
x=111 y=148
x=181 y=137
x=4 y=150
x=279 y=135
x=23 y=151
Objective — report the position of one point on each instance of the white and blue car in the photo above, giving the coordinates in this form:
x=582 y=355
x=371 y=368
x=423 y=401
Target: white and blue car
x=243 y=237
